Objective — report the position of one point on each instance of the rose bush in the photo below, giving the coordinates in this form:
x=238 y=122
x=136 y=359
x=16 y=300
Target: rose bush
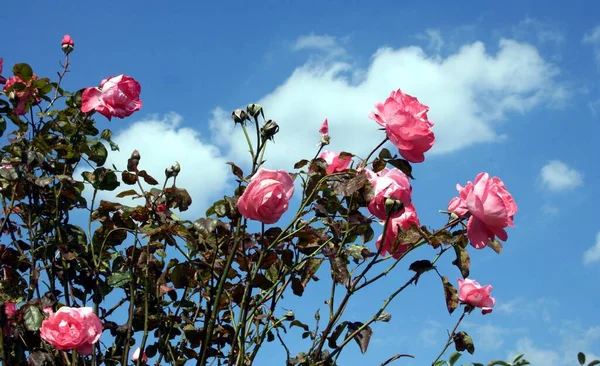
x=209 y=290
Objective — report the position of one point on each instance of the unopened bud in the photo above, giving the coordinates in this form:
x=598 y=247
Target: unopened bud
x=133 y=161
x=290 y=315
x=239 y=116
x=269 y=130
x=67 y=44
x=254 y=110
x=393 y=206
x=384 y=317
x=173 y=171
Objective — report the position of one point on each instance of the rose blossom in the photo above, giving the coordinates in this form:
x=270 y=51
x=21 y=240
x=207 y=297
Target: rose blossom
x=136 y=356
x=472 y=293
x=406 y=125
x=23 y=96
x=407 y=219
x=335 y=162
x=116 y=97
x=72 y=328
x=492 y=209
x=9 y=309
x=267 y=196
x=388 y=183
x=2 y=79
x=67 y=41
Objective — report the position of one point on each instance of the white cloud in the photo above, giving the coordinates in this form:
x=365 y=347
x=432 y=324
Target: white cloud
x=529 y=308
x=325 y=43
x=544 y=32
x=558 y=176
x=434 y=37
x=572 y=340
x=467 y=92
x=592 y=254
x=593 y=38
x=161 y=142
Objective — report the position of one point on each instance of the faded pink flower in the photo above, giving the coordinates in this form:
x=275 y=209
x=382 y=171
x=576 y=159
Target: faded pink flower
x=406 y=125
x=407 y=219
x=472 y=293
x=10 y=308
x=164 y=289
x=161 y=208
x=25 y=96
x=2 y=79
x=116 y=97
x=72 y=328
x=324 y=130
x=267 y=196
x=492 y=209
x=388 y=183
x=136 y=356
x=335 y=162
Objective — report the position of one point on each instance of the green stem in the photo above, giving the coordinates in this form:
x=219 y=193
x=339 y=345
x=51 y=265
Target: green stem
x=248 y=139
x=220 y=287
x=450 y=337
x=366 y=161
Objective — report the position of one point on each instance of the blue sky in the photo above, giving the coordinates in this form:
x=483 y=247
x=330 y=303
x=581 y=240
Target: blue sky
x=512 y=88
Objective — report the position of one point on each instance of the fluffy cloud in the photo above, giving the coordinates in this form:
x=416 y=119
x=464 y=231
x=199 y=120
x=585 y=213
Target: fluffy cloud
x=161 y=141
x=468 y=92
x=557 y=176
x=592 y=254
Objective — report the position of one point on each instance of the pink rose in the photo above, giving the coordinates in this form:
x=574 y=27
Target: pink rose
x=67 y=41
x=472 y=293
x=10 y=308
x=406 y=125
x=324 y=130
x=335 y=163
x=492 y=209
x=388 y=183
x=2 y=79
x=136 y=356
x=267 y=196
x=407 y=219
x=116 y=97
x=72 y=328
x=24 y=96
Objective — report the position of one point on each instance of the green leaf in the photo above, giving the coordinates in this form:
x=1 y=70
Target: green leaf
x=440 y=363
x=594 y=363
x=453 y=358
x=385 y=154
x=451 y=296
x=129 y=192
x=581 y=358
x=23 y=71
x=463 y=341
x=119 y=279
x=403 y=165
x=2 y=126
x=106 y=180
x=98 y=152
x=496 y=246
x=32 y=318
x=301 y=164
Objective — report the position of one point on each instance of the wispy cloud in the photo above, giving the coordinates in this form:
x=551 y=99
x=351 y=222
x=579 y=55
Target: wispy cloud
x=544 y=32
x=592 y=37
x=592 y=254
x=434 y=39
x=557 y=176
